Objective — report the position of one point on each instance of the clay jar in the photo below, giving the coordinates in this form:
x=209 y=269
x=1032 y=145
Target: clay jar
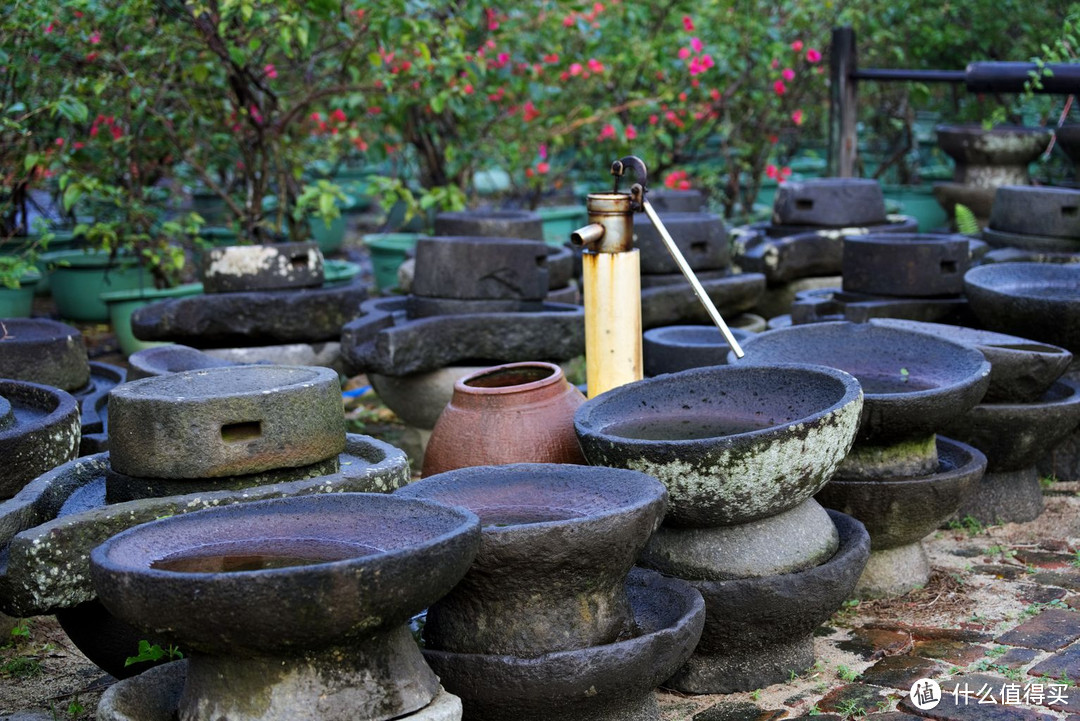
x=513 y=413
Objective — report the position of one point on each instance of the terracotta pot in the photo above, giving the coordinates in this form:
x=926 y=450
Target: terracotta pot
x=513 y=413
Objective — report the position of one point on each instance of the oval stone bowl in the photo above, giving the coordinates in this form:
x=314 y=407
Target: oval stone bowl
x=374 y=562
x=913 y=382
x=557 y=543
x=1032 y=300
x=673 y=348
x=731 y=443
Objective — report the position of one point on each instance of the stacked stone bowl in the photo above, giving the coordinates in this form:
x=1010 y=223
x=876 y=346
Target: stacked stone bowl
x=1028 y=408
x=901 y=479
x=53 y=354
x=288 y=608
x=551 y=623
x=255 y=295
x=742 y=449
x=182 y=442
x=666 y=296
x=1036 y=219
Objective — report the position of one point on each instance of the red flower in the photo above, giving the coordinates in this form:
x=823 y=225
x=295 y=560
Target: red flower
x=543 y=167
x=60 y=142
x=772 y=171
x=595 y=65
x=813 y=56
x=339 y=116
x=117 y=133
x=695 y=45
x=684 y=53
x=529 y=112
x=687 y=23
x=270 y=70
x=779 y=87
x=316 y=117
x=631 y=132
x=797 y=117
x=576 y=68
x=95 y=38
x=468 y=89
x=551 y=58
x=568 y=21
x=797 y=45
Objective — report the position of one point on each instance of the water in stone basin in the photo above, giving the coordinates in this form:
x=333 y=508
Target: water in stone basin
x=501 y=516
x=260 y=555
x=886 y=384
x=1053 y=290
x=686 y=426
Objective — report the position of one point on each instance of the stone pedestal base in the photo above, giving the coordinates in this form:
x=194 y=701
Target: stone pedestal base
x=894 y=571
x=1005 y=497
x=155 y=696
x=747 y=669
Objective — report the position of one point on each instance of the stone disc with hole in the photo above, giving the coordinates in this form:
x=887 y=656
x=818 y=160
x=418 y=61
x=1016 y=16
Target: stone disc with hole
x=830 y=202
x=38 y=350
x=1031 y=210
x=279 y=266
x=701 y=237
x=481 y=268
x=912 y=265
x=226 y=421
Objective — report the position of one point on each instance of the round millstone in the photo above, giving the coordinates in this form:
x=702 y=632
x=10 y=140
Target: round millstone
x=1037 y=211
x=262 y=267
x=38 y=350
x=226 y=421
x=39 y=431
x=830 y=202
x=491 y=223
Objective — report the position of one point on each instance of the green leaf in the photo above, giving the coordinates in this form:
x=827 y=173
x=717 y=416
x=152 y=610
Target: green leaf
x=30 y=161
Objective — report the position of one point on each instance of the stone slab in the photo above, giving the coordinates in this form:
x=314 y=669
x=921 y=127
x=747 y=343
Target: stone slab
x=900 y=671
x=1065 y=662
x=311 y=315
x=1050 y=630
x=39 y=350
x=829 y=202
x=383 y=340
x=481 y=268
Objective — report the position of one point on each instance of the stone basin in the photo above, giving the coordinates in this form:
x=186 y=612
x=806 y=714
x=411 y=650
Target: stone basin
x=995 y=157
x=1033 y=300
x=758 y=631
x=298 y=604
x=43 y=351
x=1021 y=370
x=1016 y=435
x=818 y=305
x=731 y=443
x=557 y=543
x=900 y=511
x=609 y=682
x=39 y=430
x=164 y=359
x=673 y=348
x=913 y=382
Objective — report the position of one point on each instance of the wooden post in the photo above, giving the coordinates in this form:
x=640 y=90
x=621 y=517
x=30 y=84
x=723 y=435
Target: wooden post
x=612 y=288
x=843 y=98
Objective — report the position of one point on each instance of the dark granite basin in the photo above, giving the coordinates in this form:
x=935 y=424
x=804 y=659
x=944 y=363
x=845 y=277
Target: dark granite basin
x=731 y=443
x=913 y=382
x=175 y=358
x=610 y=681
x=1016 y=435
x=1021 y=370
x=39 y=430
x=558 y=541
x=673 y=348
x=1032 y=300
x=901 y=511
x=286 y=574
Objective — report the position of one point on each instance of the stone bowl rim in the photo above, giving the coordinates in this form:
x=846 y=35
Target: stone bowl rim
x=885 y=398
x=99 y=555
x=1036 y=405
x=130 y=390
x=1051 y=350
x=65 y=403
x=951 y=445
x=852 y=392
x=587 y=473
x=659 y=334
x=1028 y=272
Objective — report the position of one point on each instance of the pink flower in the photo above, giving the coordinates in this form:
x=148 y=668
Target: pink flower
x=797 y=45
x=542 y=151
x=315 y=117
x=607 y=132
x=779 y=87
x=529 y=112
x=95 y=38
x=684 y=53
x=788 y=74
x=270 y=70
x=551 y=58
x=543 y=167
x=575 y=69
x=706 y=61
x=797 y=117
x=775 y=63
x=595 y=65
x=695 y=45
x=631 y=132
x=688 y=23
x=50 y=27
x=468 y=89
x=503 y=58
x=813 y=56
x=654 y=119
x=60 y=142
x=684 y=185
x=597 y=8
x=772 y=171
x=339 y=116
x=568 y=21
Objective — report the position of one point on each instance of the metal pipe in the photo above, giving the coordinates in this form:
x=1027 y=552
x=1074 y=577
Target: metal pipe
x=694 y=283
x=918 y=76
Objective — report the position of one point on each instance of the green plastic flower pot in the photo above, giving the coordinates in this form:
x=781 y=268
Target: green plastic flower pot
x=78 y=278
x=19 y=302
x=339 y=272
x=560 y=221
x=122 y=303
x=918 y=201
x=388 y=252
